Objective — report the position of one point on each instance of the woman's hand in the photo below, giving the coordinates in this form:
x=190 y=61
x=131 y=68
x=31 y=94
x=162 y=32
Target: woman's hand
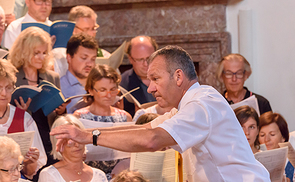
x=21 y=104
x=62 y=108
x=30 y=162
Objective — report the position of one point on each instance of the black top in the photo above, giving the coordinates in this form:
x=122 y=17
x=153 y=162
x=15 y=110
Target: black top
x=130 y=81
x=263 y=103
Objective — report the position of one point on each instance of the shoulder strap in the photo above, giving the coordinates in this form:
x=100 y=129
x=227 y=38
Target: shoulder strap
x=17 y=124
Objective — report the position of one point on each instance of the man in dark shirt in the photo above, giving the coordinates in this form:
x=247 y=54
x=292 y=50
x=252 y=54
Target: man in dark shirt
x=138 y=50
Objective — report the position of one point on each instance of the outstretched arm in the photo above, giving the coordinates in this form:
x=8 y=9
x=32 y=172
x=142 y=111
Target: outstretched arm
x=139 y=139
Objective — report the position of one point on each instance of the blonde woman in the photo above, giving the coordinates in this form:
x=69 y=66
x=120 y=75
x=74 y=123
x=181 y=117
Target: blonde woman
x=31 y=55
x=70 y=166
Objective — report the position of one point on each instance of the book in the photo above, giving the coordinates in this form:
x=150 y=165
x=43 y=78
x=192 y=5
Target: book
x=130 y=98
x=115 y=59
x=81 y=103
x=160 y=166
x=46 y=96
x=61 y=29
x=274 y=161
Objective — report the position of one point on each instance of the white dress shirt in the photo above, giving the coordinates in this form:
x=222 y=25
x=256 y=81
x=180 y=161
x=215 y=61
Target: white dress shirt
x=211 y=140
x=14 y=29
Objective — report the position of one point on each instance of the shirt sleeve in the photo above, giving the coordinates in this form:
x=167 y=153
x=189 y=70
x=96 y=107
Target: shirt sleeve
x=193 y=118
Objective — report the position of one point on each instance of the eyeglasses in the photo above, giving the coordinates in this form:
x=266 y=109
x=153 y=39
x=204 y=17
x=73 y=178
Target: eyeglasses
x=19 y=167
x=40 y=2
x=8 y=89
x=104 y=93
x=94 y=29
x=229 y=74
x=140 y=60
x=41 y=55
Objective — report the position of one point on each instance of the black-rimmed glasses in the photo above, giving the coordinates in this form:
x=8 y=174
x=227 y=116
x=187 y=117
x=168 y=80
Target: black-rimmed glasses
x=239 y=74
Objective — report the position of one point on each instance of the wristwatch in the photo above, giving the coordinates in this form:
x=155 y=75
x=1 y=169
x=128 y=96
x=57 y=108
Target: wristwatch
x=95 y=134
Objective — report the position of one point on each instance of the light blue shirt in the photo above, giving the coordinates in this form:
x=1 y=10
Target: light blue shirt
x=70 y=86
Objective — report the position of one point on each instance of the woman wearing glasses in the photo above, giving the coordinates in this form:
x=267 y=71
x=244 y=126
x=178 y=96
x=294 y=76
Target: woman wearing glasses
x=233 y=70
x=102 y=84
x=14 y=120
x=30 y=54
x=10 y=160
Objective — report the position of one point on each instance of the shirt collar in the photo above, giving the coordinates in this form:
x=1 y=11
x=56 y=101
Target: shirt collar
x=188 y=94
x=28 y=18
x=72 y=79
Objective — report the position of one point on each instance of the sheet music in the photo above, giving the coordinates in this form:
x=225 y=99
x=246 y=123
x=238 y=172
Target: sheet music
x=149 y=164
x=250 y=101
x=274 y=161
x=99 y=153
x=169 y=166
x=291 y=152
x=24 y=139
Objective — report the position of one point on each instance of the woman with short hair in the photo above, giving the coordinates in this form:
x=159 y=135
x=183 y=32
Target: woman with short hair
x=102 y=85
x=70 y=166
x=249 y=120
x=13 y=119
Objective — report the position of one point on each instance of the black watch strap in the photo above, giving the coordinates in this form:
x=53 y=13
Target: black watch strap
x=95 y=134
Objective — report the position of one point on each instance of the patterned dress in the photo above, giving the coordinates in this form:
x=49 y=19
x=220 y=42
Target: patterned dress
x=119 y=116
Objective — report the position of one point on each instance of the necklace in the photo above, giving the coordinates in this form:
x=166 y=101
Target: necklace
x=4 y=113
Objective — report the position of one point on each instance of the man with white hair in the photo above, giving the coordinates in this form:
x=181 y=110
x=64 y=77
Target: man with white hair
x=38 y=11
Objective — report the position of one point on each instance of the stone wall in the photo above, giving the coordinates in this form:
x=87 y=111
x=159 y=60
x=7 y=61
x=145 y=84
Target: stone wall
x=196 y=25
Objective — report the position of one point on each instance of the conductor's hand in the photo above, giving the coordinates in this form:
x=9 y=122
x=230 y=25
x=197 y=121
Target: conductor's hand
x=66 y=134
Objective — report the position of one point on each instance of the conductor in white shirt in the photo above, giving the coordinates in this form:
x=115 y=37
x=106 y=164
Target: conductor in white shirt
x=38 y=11
x=205 y=129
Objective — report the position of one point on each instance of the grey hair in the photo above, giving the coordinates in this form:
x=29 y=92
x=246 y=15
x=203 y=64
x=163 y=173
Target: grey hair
x=176 y=58
x=67 y=119
x=232 y=58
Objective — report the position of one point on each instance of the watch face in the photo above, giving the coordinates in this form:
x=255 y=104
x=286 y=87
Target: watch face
x=95 y=132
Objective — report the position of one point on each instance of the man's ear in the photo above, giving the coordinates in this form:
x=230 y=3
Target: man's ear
x=179 y=77
x=69 y=58
x=130 y=59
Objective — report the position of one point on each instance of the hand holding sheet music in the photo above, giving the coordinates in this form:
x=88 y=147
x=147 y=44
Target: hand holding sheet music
x=24 y=139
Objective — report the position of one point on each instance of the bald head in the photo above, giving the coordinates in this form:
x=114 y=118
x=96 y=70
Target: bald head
x=139 y=50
